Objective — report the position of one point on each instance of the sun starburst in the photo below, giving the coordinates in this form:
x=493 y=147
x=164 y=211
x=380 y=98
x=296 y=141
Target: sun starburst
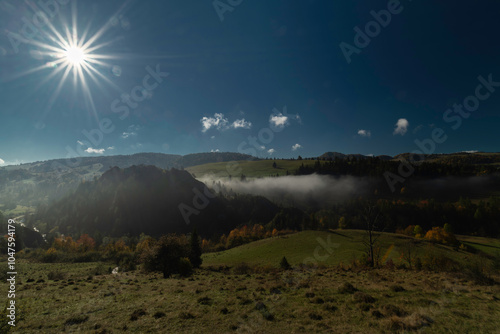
x=71 y=54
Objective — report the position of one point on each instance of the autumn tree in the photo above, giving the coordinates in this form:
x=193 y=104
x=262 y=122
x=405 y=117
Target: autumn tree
x=85 y=243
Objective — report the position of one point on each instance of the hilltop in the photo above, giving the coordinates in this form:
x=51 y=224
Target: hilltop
x=41 y=182
x=150 y=200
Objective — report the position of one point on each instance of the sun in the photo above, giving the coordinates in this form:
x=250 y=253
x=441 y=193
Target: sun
x=75 y=56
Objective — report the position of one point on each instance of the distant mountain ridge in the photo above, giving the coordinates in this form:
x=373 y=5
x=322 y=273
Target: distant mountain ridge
x=31 y=184
x=160 y=160
x=337 y=155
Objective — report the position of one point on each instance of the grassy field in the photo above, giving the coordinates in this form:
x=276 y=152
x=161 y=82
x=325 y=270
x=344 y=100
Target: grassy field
x=346 y=246
x=70 y=298
x=251 y=169
x=18 y=211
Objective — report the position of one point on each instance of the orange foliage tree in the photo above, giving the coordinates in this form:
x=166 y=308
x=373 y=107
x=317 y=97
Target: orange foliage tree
x=439 y=234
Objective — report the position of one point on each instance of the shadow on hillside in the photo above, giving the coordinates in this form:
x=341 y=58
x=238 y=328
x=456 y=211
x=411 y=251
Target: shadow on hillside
x=480 y=244
x=342 y=235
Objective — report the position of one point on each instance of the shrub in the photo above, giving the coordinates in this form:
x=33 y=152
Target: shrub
x=440 y=235
x=347 y=288
x=76 y=320
x=439 y=263
x=186 y=315
x=284 y=264
x=391 y=310
x=168 y=256
x=397 y=288
x=159 y=315
x=241 y=269
x=361 y=297
x=184 y=267
x=476 y=271
x=56 y=275
x=136 y=314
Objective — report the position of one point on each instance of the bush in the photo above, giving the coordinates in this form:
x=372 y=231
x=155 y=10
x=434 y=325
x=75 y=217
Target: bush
x=56 y=275
x=168 y=256
x=126 y=262
x=284 y=264
x=347 y=288
x=241 y=269
x=439 y=263
x=185 y=268
x=476 y=271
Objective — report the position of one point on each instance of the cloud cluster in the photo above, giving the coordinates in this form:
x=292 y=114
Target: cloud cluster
x=131 y=131
x=280 y=120
x=220 y=123
x=2 y=162
x=296 y=147
x=125 y=135
x=271 y=151
x=401 y=127
x=364 y=133
x=241 y=123
x=95 y=150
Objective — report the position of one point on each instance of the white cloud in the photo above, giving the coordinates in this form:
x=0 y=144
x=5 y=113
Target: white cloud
x=217 y=150
x=80 y=142
x=472 y=151
x=2 y=162
x=111 y=148
x=95 y=150
x=125 y=135
x=213 y=137
x=365 y=133
x=241 y=123
x=278 y=120
x=131 y=131
x=401 y=127
x=218 y=122
x=271 y=151
x=296 y=147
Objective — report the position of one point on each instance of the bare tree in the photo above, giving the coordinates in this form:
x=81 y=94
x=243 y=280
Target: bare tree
x=371 y=216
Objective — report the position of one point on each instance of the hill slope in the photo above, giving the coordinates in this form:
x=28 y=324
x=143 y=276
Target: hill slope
x=146 y=199
x=341 y=246
x=37 y=183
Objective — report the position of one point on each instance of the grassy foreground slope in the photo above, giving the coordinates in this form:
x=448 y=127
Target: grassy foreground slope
x=56 y=298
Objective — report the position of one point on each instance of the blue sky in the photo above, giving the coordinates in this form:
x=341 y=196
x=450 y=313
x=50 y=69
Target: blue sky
x=270 y=78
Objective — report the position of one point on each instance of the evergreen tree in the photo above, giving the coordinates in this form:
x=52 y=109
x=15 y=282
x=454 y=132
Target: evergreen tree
x=284 y=264
x=195 y=251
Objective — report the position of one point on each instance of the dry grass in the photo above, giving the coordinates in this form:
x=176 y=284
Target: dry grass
x=327 y=300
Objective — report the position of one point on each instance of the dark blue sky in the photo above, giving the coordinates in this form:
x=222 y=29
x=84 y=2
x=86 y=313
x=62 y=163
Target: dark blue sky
x=269 y=79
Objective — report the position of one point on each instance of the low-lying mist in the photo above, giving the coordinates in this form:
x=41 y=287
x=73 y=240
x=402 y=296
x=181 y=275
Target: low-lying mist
x=310 y=190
